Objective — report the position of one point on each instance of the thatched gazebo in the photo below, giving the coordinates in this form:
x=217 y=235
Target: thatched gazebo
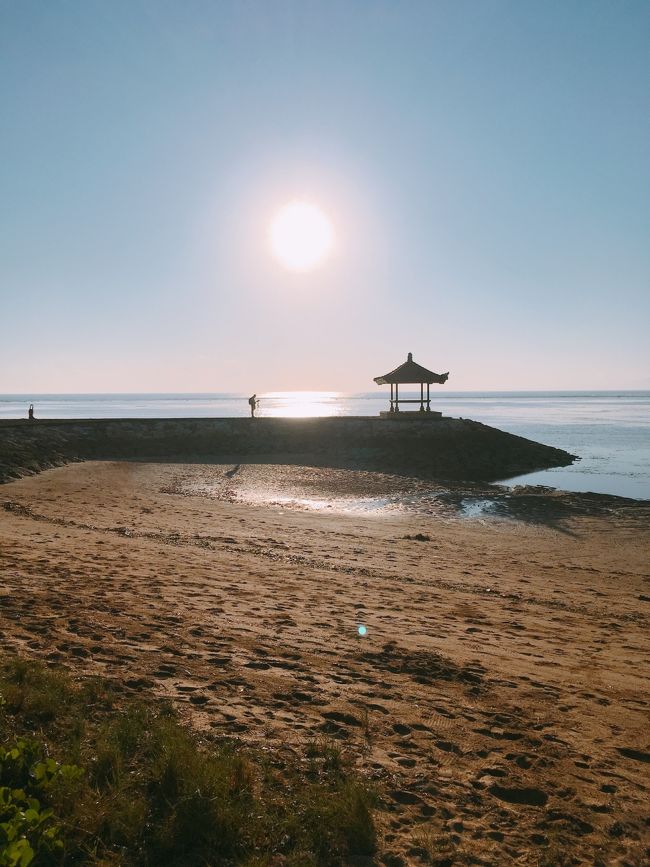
x=410 y=373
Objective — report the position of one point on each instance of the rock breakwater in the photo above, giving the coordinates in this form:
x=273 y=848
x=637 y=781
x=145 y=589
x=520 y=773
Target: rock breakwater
x=446 y=448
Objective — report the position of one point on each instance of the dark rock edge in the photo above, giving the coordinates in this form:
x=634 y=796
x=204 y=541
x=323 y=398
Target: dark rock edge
x=444 y=449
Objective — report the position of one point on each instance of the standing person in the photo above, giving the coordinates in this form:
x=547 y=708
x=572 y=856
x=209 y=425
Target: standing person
x=253 y=402
x=30 y=412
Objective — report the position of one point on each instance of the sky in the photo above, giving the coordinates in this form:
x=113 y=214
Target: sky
x=484 y=165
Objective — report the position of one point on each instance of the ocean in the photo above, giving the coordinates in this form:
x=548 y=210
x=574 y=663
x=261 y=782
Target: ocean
x=608 y=430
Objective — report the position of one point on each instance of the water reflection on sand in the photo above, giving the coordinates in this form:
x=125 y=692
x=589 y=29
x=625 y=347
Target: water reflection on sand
x=352 y=492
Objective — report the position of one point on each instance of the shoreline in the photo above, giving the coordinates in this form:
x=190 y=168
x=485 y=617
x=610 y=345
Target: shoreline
x=355 y=492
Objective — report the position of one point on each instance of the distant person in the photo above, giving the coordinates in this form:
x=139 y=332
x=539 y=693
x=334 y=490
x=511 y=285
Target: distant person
x=30 y=412
x=253 y=402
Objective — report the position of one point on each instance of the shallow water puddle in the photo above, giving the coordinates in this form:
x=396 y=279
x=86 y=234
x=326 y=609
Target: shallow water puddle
x=478 y=508
x=336 y=505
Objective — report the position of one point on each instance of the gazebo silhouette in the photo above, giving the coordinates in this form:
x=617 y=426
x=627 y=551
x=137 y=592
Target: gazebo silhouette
x=410 y=373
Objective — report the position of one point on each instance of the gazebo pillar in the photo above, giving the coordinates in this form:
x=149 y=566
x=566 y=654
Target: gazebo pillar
x=396 y=397
x=428 y=399
x=422 y=397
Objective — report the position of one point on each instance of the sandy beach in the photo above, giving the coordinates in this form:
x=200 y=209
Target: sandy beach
x=499 y=698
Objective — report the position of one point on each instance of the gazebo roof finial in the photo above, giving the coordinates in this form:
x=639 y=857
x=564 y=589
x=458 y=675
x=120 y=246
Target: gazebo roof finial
x=409 y=357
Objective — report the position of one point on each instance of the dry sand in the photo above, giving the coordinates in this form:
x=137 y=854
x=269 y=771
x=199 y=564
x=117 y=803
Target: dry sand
x=500 y=696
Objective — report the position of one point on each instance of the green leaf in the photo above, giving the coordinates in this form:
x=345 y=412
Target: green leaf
x=9 y=830
x=70 y=772
x=20 y=854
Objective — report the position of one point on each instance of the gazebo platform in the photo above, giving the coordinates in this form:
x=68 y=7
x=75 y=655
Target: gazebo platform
x=412 y=415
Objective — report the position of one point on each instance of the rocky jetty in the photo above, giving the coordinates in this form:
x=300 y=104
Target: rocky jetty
x=446 y=448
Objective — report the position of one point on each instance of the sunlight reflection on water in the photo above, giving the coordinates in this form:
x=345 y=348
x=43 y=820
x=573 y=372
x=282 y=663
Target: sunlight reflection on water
x=300 y=404
x=340 y=505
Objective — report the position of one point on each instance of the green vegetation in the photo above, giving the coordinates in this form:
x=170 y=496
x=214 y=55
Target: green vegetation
x=87 y=777
x=27 y=776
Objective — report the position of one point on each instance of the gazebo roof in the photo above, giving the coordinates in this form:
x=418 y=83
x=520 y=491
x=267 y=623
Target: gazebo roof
x=409 y=373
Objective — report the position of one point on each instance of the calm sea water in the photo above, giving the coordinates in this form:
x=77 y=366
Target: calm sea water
x=610 y=431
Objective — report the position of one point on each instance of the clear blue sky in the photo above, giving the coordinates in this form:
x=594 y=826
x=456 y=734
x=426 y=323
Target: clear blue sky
x=485 y=165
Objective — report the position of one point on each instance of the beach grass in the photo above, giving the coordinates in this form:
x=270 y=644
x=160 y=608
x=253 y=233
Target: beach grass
x=126 y=782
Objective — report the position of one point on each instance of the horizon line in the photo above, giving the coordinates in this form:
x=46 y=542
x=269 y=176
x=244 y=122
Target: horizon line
x=316 y=391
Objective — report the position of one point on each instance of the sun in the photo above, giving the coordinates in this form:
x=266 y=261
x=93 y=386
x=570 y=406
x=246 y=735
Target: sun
x=301 y=236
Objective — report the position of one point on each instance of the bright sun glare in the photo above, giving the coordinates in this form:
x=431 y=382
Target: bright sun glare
x=301 y=236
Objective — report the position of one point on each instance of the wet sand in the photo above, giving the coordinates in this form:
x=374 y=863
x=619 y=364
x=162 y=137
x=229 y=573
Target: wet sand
x=499 y=697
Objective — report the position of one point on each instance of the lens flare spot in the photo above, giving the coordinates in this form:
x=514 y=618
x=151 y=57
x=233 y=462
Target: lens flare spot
x=361 y=629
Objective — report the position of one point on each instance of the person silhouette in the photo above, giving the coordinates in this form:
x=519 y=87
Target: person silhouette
x=252 y=402
x=30 y=412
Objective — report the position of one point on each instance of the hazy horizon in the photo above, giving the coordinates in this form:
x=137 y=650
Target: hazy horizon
x=381 y=392
x=480 y=171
